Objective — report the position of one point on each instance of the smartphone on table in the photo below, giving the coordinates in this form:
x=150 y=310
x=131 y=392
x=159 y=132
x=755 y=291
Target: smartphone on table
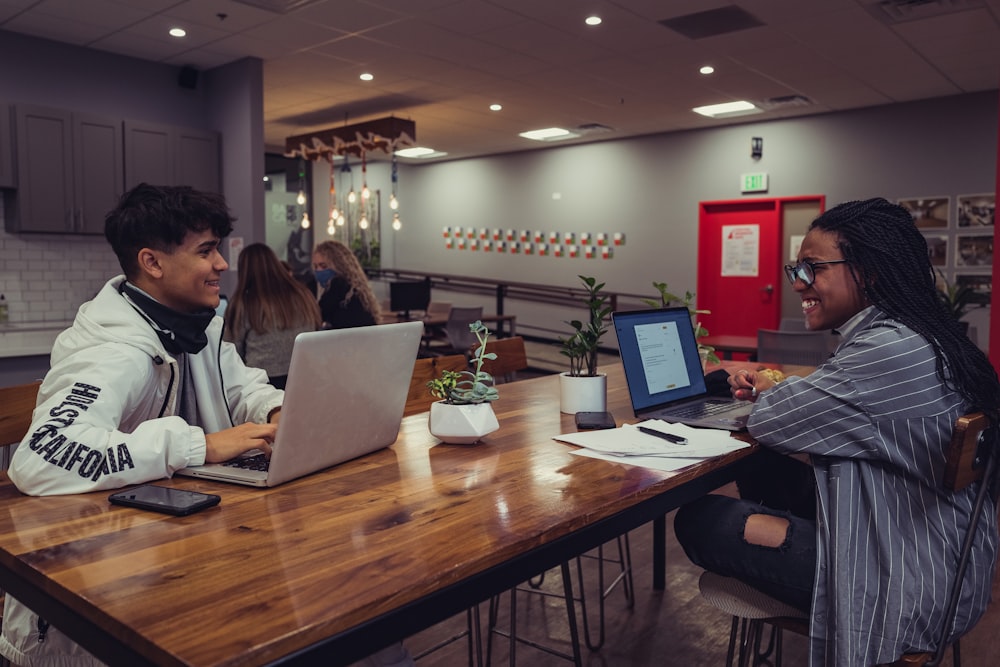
x=594 y=420
x=178 y=502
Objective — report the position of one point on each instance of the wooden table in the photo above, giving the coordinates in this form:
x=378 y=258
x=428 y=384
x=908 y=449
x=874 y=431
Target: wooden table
x=727 y=344
x=328 y=568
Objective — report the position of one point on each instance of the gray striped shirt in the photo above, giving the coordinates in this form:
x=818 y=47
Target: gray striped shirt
x=876 y=421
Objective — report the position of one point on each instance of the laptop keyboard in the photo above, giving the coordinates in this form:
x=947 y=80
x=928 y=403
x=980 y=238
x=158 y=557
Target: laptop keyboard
x=706 y=409
x=257 y=462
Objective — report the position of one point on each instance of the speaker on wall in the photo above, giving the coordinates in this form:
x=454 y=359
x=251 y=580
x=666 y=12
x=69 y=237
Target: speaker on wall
x=187 y=77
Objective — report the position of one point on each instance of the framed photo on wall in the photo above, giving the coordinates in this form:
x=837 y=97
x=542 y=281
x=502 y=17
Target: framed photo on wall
x=981 y=285
x=928 y=212
x=976 y=210
x=974 y=250
x=937 y=248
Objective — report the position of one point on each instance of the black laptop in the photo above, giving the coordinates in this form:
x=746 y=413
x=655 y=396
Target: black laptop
x=664 y=373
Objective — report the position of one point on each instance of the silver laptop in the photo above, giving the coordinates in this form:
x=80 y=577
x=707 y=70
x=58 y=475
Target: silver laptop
x=664 y=374
x=344 y=398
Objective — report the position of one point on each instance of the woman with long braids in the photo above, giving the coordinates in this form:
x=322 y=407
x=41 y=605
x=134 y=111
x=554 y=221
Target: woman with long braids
x=870 y=549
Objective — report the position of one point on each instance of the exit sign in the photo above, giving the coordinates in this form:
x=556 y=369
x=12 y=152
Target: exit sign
x=754 y=182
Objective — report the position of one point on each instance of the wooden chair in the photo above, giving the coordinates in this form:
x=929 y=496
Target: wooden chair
x=969 y=460
x=511 y=358
x=16 y=405
x=419 y=398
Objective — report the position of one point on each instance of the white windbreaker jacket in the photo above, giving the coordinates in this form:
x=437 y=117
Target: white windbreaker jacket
x=106 y=417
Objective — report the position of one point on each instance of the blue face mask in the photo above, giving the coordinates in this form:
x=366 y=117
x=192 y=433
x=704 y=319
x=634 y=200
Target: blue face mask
x=324 y=276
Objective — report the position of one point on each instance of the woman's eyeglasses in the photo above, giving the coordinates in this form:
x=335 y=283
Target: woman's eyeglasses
x=806 y=271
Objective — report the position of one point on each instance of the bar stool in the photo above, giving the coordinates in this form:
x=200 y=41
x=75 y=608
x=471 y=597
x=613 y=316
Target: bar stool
x=534 y=586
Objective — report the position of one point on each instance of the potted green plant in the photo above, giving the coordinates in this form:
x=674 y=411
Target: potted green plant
x=465 y=414
x=667 y=299
x=956 y=298
x=582 y=388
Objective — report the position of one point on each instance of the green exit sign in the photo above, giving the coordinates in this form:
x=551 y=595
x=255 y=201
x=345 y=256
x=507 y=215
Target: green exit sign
x=754 y=182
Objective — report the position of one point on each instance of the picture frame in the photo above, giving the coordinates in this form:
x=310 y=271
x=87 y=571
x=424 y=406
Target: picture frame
x=974 y=250
x=937 y=249
x=928 y=212
x=976 y=210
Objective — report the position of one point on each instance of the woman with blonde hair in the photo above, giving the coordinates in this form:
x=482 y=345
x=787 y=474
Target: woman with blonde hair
x=267 y=312
x=345 y=297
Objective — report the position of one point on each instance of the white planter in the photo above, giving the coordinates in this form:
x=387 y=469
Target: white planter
x=583 y=393
x=461 y=424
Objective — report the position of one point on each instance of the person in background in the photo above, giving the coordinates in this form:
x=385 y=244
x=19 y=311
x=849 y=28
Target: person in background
x=871 y=549
x=268 y=310
x=345 y=297
x=141 y=384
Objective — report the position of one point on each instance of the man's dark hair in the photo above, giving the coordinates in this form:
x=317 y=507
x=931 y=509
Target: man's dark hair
x=891 y=264
x=159 y=217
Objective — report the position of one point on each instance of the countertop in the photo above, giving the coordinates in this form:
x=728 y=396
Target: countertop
x=25 y=339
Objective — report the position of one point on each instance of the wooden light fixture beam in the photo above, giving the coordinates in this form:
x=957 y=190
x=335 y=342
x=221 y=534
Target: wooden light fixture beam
x=385 y=134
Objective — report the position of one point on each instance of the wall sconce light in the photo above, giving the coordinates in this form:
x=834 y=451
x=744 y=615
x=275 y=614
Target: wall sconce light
x=756 y=147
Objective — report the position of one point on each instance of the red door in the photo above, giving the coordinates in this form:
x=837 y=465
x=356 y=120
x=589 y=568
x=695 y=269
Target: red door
x=739 y=266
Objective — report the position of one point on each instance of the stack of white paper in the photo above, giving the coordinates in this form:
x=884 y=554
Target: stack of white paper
x=628 y=444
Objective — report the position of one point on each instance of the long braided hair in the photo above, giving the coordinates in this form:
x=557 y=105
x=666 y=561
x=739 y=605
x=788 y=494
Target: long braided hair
x=892 y=266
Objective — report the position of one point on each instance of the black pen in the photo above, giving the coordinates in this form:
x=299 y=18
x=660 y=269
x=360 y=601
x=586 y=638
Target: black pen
x=669 y=437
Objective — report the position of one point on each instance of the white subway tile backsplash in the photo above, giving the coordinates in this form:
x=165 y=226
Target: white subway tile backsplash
x=45 y=278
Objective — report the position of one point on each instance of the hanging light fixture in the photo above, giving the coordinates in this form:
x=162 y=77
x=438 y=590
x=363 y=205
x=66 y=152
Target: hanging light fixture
x=301 y=199
x=365 y=192
x=346 y=169
x=334 y=213
x=397 y=224
x=305 y=221
x=393 y=201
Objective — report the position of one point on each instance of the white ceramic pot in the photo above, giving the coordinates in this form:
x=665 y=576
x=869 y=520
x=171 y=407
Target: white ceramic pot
x=580 y=393
x=461 y=424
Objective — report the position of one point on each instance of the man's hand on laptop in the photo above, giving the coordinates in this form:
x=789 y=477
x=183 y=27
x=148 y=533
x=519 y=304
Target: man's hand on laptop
x=231 y=442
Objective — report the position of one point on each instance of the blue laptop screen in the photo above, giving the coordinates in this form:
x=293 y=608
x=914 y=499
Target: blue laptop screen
x=660 y=356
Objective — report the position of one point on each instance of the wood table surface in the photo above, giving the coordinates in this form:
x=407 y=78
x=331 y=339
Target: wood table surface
x=330 y=567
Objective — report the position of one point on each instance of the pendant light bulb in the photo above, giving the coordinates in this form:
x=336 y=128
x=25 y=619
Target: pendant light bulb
x=330 y=229
x=301 y=199
x=341 y=220
x=351 y=197
x=393 y=202
x=363 y=222
x=365 y=192
x=397 y=224
x=305 y=221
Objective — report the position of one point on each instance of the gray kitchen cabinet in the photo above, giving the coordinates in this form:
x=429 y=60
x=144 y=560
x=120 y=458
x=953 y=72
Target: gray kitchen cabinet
x=168 y=155
x=7 y=179
x=69 y=171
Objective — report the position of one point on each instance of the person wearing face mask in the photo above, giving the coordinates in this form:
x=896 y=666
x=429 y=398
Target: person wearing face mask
x=345 y=297
x=869 y=551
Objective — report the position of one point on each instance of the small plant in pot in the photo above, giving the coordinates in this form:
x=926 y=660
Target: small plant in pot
x=667 y=299
x=583 y=389
x=464 y=414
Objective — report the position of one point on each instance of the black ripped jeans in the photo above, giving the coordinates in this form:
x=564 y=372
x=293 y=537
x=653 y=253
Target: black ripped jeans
x=710 y=530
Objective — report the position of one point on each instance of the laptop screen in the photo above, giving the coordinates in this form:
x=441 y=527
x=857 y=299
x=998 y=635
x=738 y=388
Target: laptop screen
x=660 y=356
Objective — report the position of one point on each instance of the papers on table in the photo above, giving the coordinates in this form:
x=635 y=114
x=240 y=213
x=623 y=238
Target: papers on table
x=628 y=444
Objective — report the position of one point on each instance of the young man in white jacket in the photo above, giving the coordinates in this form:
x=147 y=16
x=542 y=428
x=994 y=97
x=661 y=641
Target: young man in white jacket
x=141 y=384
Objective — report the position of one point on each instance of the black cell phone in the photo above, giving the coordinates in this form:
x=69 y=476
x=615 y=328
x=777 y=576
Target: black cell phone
x=594 y=420
x=178 y=502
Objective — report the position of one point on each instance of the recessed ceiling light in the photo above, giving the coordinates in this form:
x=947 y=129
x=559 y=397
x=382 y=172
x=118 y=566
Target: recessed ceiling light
x=707 y=69
x=549 y=134
x=367 y=76
x=727 y=109
x=178 y=32
x=496 y=107
x=593 y=20
x=420 y=151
